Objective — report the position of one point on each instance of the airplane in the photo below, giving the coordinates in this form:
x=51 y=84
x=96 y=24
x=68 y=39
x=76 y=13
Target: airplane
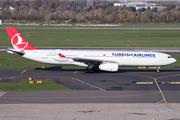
x=105 y=60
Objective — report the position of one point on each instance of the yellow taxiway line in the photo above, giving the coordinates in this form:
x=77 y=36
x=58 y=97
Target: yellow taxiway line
x=142 y=83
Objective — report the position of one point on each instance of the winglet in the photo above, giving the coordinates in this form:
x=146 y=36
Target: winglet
x=17 y=40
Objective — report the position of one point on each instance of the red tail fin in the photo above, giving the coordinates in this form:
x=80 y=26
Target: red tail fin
x=17 y=40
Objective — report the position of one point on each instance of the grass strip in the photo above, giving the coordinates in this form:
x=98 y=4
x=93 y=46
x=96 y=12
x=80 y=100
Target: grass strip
x=25 y=85
x=96 y=37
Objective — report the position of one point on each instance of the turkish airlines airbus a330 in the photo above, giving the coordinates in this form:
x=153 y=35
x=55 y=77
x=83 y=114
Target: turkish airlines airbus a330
x=105 y=60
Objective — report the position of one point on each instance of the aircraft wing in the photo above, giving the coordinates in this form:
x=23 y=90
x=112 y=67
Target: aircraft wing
x=86 y=60
x=89 y=60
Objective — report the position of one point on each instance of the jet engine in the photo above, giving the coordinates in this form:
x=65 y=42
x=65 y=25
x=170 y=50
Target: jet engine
x=112 y=67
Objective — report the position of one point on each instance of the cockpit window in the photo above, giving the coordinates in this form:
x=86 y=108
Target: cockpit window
x=169 y=57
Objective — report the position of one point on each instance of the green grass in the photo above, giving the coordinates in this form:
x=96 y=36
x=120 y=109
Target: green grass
x=25 y=85
x=152 y=25
x=97 y=38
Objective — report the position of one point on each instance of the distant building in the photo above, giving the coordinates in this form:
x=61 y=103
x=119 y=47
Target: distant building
x=77 y=5
x=89 y=3
x=11 y=8
x=140 y=5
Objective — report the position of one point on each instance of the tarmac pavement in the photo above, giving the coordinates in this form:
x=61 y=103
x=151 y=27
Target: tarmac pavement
x=89 y=111
x=125 y=95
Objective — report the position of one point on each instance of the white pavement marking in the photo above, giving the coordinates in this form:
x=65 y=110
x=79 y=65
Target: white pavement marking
x=82 y=82
x=2 y=93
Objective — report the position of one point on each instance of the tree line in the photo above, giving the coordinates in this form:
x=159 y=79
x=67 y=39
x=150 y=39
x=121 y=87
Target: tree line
x=45 y=11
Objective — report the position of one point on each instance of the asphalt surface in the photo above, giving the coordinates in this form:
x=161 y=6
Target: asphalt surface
x=99 y=87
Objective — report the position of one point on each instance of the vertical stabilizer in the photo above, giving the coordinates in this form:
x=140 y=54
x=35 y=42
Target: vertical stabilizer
x=17 y=40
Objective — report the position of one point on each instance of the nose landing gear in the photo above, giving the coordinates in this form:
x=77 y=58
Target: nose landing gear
x=158 y=68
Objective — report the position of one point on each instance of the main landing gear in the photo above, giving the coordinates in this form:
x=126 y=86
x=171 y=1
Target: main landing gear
x=90 y=68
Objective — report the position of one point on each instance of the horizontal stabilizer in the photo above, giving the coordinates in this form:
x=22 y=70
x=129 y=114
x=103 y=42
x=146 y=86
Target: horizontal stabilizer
x=16 y=52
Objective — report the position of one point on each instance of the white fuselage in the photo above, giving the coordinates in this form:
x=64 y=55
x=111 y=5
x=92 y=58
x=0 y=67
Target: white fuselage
x=123 y=58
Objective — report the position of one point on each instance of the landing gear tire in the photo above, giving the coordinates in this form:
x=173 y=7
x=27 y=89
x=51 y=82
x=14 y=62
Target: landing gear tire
x=92 y=70
x=87 y=70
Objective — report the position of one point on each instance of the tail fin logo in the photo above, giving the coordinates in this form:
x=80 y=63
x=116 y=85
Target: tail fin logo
x=18 y=42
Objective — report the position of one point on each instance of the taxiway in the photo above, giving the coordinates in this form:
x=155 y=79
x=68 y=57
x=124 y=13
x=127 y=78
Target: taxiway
x=101 y=87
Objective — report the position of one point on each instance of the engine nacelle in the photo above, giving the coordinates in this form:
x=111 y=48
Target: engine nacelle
x=112 y=67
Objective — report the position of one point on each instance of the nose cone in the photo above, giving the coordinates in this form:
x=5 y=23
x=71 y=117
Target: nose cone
x=173 y=60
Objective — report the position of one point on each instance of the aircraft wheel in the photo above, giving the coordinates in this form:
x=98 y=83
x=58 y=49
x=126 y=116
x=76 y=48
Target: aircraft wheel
x=87 y=70
x=92 y=70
